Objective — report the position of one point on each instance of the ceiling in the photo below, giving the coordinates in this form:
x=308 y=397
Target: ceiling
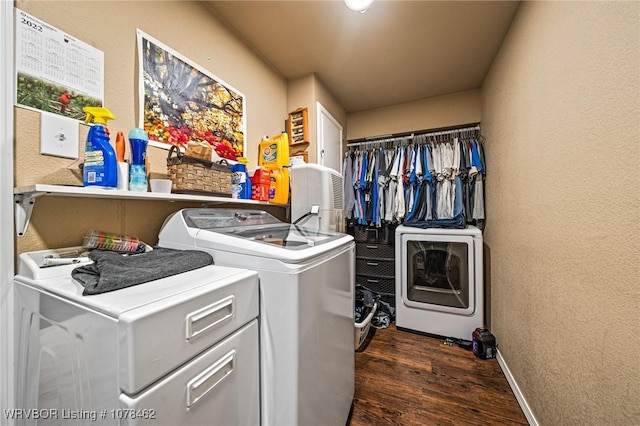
x=395 y=52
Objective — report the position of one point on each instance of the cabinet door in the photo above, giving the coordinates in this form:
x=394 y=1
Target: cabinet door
x=329 y=139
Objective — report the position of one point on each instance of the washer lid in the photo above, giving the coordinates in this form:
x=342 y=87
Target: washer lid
x=289 y=237
x=257 y=233
x=226 y=218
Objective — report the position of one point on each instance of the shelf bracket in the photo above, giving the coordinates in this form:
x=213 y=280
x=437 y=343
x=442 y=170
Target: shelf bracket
x=23 y=209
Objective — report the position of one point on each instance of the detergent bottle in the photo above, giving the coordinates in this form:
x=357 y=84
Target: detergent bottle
x=100 y=166
x=279 y=187
x=274 y=155
x=123 y=166
x=260 y=182
x=138 y=141
x=241 y=179
x=274 y=152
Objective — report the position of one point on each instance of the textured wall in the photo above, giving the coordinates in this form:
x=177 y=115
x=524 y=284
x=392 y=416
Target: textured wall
x=432 y=113
x=300 y=94
x=187 y=27
x=561 y=108
x=304 y=92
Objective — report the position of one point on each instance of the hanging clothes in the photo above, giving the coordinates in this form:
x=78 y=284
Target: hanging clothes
x=415 y=173
x=382 y=175
x=392 y=183
x=347 y=185
x=479 y=175
x=398 y=209
x=430 y=180
x=362 y=182
x=371 y=193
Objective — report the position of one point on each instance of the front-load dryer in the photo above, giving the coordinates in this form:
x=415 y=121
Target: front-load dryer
x=439 y=281
x=181 y=350
x=306 y=306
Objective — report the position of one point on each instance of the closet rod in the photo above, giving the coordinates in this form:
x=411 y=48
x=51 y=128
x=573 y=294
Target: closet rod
x=446 y=131
x=379 y=141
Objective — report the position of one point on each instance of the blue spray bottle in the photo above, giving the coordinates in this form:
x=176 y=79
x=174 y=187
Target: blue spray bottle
x=100 y=165
x=138 y=141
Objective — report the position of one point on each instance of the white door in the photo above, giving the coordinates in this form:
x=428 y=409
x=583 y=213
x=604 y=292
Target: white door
x=329 y=139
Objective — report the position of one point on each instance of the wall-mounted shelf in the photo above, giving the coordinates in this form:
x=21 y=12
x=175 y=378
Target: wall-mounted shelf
x=298 y=130
x=25 y=198
x=298 y=126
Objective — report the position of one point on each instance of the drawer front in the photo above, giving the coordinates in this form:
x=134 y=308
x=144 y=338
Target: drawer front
x=382 y=286
x=156 y=338
x=220 y=386
x=366 y=234
x=375 y=267
x=375 y=251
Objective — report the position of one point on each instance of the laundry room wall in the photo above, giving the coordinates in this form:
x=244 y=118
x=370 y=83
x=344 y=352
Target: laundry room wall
x=187 y=27
x=300 y=95
x=432 y=113
x=560 y=115
x=300 y=92
x=304 y=92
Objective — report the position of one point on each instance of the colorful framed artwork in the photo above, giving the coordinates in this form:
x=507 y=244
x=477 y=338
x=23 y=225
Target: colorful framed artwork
x=181 y=102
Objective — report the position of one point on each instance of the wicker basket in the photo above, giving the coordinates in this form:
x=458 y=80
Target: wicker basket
x=195 y=176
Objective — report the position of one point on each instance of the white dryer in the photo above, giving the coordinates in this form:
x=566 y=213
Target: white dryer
x=439 y=280
x=306 y=306
x=181 y=350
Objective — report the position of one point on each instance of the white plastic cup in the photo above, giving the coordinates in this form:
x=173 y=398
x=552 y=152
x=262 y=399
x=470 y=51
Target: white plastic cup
x=161 y=185
x=123 y=176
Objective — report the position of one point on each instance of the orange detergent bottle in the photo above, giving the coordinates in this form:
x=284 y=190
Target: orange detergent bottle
x=279 y=187
x=273 y=154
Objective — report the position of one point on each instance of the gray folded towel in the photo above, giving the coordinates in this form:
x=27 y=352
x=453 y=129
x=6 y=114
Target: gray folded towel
x=113 y=271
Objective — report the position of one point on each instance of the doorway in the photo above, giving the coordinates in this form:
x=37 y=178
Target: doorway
x=329 y=139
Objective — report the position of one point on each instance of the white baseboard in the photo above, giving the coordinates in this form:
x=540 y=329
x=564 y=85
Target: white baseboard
x=516 y=391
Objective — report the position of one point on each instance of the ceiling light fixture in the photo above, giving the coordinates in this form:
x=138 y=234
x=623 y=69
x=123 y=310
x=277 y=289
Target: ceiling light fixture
x=358 y=5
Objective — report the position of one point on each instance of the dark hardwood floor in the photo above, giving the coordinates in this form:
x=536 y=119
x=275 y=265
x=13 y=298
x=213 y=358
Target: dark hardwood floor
x=403 y=378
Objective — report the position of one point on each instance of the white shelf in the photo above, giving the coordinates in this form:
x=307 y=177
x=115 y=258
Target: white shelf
x=25 y=196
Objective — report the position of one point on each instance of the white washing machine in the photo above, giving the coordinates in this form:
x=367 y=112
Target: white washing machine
x=439 y=280
x=182 y=350
x=306 y=306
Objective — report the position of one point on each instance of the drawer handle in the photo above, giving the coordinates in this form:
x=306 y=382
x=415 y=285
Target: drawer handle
x=372 y=264
x=204 y=382
x=373 y=281
x=203 y=319
x=372 y=247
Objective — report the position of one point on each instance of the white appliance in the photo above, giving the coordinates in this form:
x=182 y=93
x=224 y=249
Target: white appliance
x=439 y=281
x=182 y=350
x=317 y=197
x=306 y=306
